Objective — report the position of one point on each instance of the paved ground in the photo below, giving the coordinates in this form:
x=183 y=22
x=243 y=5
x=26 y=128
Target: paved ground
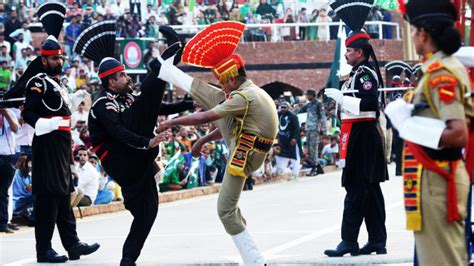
x=292 y=223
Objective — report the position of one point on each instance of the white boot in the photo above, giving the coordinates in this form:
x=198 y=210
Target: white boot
x=247 y=249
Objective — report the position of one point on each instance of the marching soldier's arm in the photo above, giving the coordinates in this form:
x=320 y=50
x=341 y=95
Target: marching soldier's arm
x=107 y=114
x=367 y=85
x=235 y=106
x=34 y=94
x=448 y=100
x=449 y=131
x=174 y=108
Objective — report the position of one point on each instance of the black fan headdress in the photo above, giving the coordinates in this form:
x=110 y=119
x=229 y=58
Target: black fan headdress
x=97 y=43
x=354 y=14
x=51 y=14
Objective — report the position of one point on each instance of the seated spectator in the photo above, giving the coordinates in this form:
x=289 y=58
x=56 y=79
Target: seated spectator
x=5 y=76
x=151 y=28
x=185 y=139
x=172 y=146
x=88 y=178
x=80 y=114
x=148 y=13
x=330 y=152
x=21 y=61
x=266 y=10
x=174 y=174
x=82 y=79
x=23 y=199
x=4 y=55
x=105 y=194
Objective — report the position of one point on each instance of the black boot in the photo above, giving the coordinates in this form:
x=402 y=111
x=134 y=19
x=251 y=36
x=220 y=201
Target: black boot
x=343 y=248
x=127 y=262
x=6 y=229
x=313 y=171
x=319 y=169
x=51 y=257
x=378 y=248
x=81 y=249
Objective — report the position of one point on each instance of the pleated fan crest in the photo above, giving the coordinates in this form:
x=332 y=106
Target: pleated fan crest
x=52 y=14
x=213 y=44
x=353 y=12
x=97 y=41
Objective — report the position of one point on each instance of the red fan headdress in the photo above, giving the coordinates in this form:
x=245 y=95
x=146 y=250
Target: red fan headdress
x=214 y=48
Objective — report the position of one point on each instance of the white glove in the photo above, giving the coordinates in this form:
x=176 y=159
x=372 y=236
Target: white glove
x=335 y=94
x=351 y=104
x=78 y=97
x=398 y=111
x=47 y=125
x=174 y=75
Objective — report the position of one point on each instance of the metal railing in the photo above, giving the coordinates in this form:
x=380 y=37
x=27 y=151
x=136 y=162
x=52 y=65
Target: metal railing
x=273 y=31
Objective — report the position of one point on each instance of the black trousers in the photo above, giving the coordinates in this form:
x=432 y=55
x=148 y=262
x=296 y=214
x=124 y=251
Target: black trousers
x=144 y=209
x=7 y=171
x=51 y=210
x=141 y=116
x=397 y=150
x=364 y=202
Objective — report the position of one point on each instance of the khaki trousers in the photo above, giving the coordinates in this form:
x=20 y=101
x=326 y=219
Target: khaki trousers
x=440 y=242
x=228 y=201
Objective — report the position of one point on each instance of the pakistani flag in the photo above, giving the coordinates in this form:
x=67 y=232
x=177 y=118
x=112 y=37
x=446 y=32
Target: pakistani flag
x=171 y=173
x=193 y=174
x=339 y=66
x=387 y=4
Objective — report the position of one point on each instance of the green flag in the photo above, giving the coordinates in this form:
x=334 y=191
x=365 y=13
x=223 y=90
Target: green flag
x=333 y=79
x=191 y=5
x=387 y=4
x=171 y=173
x=193 y=174
x=339 y=65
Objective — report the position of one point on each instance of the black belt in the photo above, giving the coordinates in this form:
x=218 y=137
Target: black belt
x=449 y=154
x=260 y=144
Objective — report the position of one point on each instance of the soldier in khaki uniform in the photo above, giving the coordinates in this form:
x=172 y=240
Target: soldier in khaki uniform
x=245 y=116
x=434 y=126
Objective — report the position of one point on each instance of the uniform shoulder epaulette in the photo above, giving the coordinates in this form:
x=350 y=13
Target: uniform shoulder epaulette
x=435 y=66
x=38 y=83
x=445 y=82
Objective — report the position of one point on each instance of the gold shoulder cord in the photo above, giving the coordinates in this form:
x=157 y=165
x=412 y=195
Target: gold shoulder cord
x=241 y=121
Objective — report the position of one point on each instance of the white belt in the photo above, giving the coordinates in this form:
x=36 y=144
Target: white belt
x=347 y=115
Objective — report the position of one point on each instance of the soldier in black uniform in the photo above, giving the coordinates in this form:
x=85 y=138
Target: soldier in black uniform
x=47 y=110
x=121 y=129
x=362 y=147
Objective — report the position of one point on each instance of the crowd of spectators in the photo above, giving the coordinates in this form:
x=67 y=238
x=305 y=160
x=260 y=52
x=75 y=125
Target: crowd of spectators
x=181 y=166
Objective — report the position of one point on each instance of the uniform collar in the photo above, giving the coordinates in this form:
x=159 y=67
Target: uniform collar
x=435 y=57
x=363 y=63
x=245 y=84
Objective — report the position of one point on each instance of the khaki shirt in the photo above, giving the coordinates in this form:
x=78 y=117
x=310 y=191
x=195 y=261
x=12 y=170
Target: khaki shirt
x=261 y=118
x=446 y=80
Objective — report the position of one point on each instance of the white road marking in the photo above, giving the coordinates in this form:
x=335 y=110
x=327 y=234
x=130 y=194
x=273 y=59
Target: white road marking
x=270 y=253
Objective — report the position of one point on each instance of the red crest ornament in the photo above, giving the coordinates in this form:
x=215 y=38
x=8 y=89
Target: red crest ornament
x=214 y=48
